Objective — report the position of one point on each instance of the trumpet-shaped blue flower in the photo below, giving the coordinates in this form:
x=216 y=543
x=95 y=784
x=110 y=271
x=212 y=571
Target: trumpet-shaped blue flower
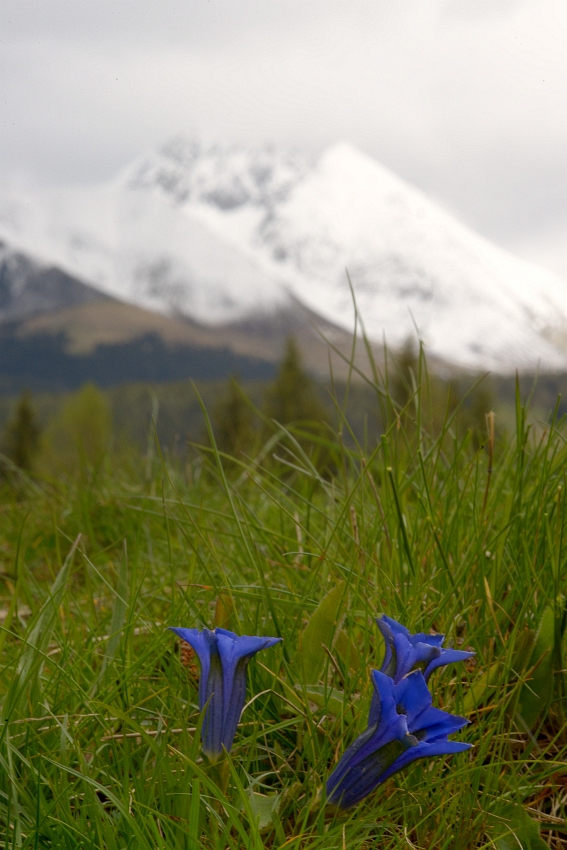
x=406 y=652
x=224 y=657
x=402 y=726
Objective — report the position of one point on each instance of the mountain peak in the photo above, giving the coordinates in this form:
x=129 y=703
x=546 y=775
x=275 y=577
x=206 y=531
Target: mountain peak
x=228 y=177
x=344 y=156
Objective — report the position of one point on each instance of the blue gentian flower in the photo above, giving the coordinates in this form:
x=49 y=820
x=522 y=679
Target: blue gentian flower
x=402 y=727
x=406 y=652
x=224 y=657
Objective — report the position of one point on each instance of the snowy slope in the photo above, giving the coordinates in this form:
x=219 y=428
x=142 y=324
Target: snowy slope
x=412 y=264
x=131 y=239
x=222 y=233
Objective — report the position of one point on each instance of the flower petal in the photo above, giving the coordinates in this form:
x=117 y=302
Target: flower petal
x=384 y=725
x=432 y=640
x=362 y=764
x=404 y=651
x=395 y=627
x=356 y=783
x=424 y=750
x=234 y=702
x=412 y=695
x=234 y=647
x=448 y=656
x=383 y=705
x=235 y=652
x=404 y=655
x=213 y=721
x=201 y=643
x=389 y=662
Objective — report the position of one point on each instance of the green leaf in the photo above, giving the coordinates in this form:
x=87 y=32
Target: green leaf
x=37 y=639
x=537 y=692
x=512 y=828
x=193 y=833
x=483 y=688
x=347 y=651
x=119 y=610
x=523 y=650
x=330 y=700
x=263 y=806
x=321 y=630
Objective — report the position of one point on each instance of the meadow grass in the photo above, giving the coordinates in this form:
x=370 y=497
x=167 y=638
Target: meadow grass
x=99 y=732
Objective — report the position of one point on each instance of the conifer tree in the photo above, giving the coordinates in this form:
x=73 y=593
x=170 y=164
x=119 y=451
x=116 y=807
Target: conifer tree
x=233 y=424
x=79 y=437
x=292 y=400
x=404 y=374
x=293 y=395
x=473 y=416
x=20 y=440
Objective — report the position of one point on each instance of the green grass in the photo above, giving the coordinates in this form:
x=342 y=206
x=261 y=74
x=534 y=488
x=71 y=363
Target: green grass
x=99 y=744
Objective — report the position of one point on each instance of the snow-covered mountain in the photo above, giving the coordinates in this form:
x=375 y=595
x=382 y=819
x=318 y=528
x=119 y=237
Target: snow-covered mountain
x=222 y=234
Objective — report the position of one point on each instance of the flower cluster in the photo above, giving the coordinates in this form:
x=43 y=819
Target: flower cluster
x=402 y=724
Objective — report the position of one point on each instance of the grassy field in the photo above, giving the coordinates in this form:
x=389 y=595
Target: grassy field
x=99 y=730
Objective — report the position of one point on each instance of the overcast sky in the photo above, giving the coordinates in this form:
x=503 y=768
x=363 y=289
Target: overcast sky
x=465 y=98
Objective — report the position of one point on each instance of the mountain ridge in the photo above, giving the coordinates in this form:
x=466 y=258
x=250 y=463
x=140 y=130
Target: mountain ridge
x=29 y=287
x=57 y=332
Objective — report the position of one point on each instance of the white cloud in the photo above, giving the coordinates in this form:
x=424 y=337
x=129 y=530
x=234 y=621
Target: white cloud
x=467 y=98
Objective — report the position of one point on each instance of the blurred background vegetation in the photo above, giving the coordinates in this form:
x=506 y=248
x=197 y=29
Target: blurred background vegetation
x=75 y=432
